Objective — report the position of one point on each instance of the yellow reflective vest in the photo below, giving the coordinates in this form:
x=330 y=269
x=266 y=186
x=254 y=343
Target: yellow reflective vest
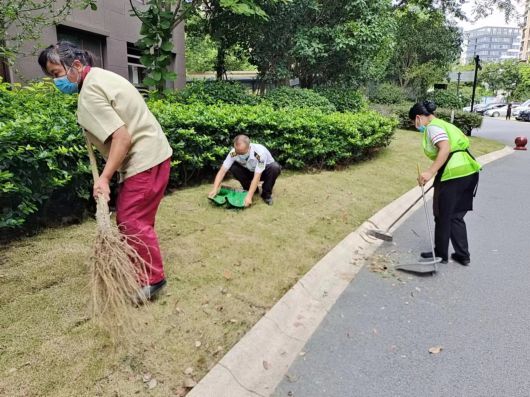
x=460 y=162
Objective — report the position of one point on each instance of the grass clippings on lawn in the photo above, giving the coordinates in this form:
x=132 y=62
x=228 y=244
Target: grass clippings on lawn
x=225 y=269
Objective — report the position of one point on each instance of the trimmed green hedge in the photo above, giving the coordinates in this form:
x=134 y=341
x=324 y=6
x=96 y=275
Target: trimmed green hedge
x=287 y=97
x=212 y=93
x=44 y=168
x=298 y=138
x=344 y=99
x=466 y=121
x=448 y=100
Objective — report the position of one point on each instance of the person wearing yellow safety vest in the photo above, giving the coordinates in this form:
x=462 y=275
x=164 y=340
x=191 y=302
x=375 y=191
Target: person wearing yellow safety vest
x=455 y=173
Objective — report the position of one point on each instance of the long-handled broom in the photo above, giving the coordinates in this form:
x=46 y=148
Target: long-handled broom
x=116 y=269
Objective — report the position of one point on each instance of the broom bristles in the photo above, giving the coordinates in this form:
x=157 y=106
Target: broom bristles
x=116 y=271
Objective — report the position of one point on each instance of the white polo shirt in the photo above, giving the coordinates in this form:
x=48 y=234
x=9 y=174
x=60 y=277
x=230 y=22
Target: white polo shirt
x=259 y=157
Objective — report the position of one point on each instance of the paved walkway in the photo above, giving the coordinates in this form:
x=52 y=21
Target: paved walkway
x=376 y=339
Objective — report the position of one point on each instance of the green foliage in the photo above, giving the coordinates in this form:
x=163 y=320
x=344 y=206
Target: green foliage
x=44 y=168
x=426 y=47
x=503 y=76
x=213 y=92
x=320 y=41
x=344 y=99
x=285 y=97
x=387 y=94
x=297 y=137
x=43 y=157
x=448 y=99
x=466 y=121
x=201 y=56
x=159 y=19
x=522 y=92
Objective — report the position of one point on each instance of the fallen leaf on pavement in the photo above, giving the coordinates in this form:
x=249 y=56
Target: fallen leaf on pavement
x=181 y=391
x=189 y=383
x=435 y=349
x=227 y=275
x=152 y=384
x=291 y=378
x=147 y=377
x=266 y=365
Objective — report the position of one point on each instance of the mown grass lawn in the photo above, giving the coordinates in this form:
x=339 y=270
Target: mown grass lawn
x=225 y=268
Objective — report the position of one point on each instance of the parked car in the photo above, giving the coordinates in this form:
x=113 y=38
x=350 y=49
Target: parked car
x=524 y=115
x=502 y=111
x=524 y=106
x=491 y=106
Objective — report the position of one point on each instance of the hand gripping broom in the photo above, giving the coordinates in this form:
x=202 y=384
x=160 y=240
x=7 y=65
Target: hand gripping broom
x=115 y=270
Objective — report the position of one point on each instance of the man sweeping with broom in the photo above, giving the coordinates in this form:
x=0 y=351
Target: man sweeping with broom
x=117 y=121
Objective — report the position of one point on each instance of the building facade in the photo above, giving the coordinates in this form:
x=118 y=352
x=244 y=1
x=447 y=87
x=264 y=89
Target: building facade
x=492 y=43
x=110 y=33
x=525 y=36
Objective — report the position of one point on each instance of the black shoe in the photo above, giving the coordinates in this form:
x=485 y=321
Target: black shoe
x=428 y=255
x=268 y=200
x=149 y=292
x=460 y=259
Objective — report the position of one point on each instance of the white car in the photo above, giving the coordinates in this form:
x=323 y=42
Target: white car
x=501 y=111
x=524 y=106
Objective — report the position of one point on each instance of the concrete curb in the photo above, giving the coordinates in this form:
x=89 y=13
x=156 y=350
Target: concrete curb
x=259 y=361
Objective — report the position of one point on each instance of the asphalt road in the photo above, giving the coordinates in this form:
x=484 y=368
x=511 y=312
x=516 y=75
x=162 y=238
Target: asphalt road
x=376 y=339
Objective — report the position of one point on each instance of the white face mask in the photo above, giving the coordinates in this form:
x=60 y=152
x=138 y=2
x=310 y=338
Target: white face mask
x=244 y=156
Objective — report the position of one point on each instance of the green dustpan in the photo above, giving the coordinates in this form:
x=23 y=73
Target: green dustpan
x=220 y=198
x=234 y=198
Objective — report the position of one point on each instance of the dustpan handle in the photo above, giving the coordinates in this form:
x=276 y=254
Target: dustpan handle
x=92 y=157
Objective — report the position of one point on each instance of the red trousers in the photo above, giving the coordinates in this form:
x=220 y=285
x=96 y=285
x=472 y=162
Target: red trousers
x=138 y=199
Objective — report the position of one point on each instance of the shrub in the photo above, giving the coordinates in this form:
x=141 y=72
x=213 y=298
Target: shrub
x=343 y=98
x=44 y=165
x=464 y=120
x=286 y=97
x=298 y=138
x=448 y=100
x=42 y=161
x=388 y=94
x=213 y=92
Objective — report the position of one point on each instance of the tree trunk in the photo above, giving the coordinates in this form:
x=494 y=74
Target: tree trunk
x=220 y=62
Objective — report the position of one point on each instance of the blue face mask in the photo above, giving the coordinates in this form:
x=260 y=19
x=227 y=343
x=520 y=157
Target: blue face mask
x=66 y=86
x=422 y=129
x=244 y=157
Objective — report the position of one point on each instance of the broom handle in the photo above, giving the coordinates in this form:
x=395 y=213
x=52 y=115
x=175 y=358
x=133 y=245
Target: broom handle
x=92 y=157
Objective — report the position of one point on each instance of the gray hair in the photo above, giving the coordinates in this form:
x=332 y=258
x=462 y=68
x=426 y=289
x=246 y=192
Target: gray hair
x=64 y=53
x=241 y=139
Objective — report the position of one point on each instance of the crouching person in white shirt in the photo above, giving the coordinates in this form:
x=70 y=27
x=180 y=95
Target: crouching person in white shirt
x=249 y=163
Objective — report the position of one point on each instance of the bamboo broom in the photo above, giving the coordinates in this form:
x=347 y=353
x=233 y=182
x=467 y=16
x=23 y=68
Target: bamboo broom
x=115 y=269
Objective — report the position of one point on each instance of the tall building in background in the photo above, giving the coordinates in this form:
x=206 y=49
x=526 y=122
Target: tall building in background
x=525 y=39
x=492 y=43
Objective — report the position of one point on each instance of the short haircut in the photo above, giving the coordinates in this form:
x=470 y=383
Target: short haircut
x=241 y=139
x=64 y=53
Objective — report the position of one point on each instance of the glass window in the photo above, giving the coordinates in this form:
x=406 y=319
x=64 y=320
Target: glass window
x=136 y=69
x=86 y=40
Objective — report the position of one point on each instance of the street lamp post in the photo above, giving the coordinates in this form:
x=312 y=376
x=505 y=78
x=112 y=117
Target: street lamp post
x=477 y=67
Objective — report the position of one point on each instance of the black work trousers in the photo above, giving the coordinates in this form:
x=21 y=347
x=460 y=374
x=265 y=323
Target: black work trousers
x=452 y=200
x=268 y=176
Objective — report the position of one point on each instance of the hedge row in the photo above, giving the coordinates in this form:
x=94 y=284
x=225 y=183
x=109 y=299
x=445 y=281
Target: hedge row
x=327 y=99
x=44 y=168
x=466 y=121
